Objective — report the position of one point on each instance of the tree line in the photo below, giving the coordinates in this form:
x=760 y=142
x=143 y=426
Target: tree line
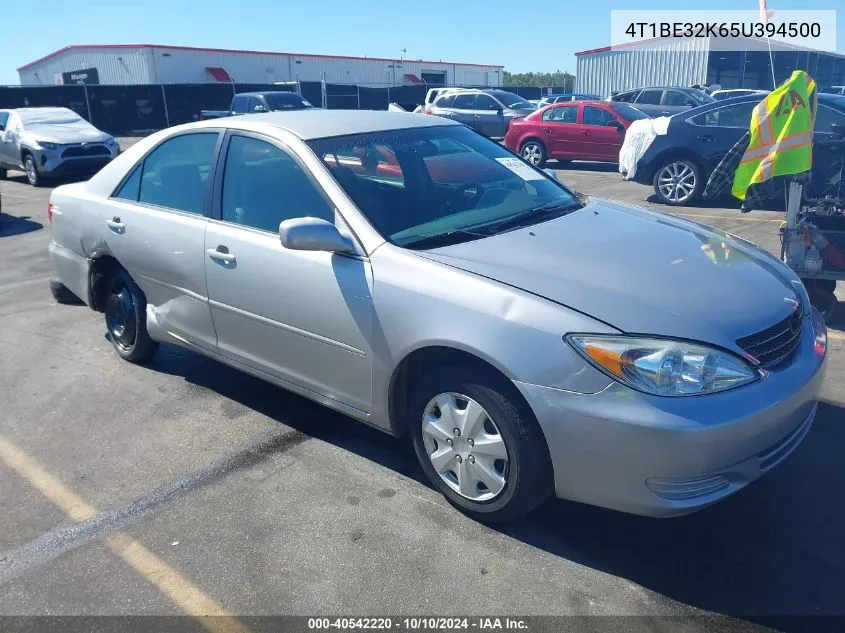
x=558 y=78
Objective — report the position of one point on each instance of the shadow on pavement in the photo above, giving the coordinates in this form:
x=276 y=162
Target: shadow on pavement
x=583 y=166
x=17 y=225
x=774 y=549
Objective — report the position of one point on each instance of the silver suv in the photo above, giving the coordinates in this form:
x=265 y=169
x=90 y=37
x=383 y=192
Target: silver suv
x=487 y=111
x=52 y=142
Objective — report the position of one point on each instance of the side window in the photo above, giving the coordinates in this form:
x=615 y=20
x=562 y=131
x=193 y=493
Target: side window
x=240 y=105
x=677 y=98
x=650 y=97
x=597 y=116
x=561 y=114
x=731 y=116
x=263 y=185
x=825 y=117
x=4 y=119
x=627 y=97
x=131 y=187
x=486 y=102
x=464 y=102
x=445 y=101
x=175 y=174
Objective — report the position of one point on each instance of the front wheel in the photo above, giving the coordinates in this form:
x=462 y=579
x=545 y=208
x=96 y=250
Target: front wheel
x=126 y=319
x=478 y=444
x=678 y=182
x=31 y=170
x=533 y=152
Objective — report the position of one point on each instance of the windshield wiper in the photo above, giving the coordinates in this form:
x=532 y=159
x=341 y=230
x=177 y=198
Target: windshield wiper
x=537 y=214
x=444 y=239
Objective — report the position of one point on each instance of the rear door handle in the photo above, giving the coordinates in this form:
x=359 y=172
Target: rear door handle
x=221 y=254
x=707 y=138
x=116 y=225
x=547 y=130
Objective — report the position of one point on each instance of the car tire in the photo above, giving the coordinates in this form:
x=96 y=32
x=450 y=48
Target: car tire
x=678 y=181
x=3 y=174
x=504 y=447
x=534 y=152
x=61 y=293
x=31 y=169
x=125 y=312
x=825 y=302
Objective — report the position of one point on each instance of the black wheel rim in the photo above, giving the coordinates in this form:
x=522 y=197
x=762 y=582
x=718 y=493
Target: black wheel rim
x=120 y=318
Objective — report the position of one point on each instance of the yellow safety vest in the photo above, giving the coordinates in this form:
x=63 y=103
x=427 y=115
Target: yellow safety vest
x=781 y=134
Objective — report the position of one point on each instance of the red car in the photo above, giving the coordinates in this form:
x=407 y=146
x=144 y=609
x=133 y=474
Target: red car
x=574 y=130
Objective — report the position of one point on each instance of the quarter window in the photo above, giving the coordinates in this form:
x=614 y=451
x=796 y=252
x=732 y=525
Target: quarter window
x=263 y=186
x=175 y=174
x=240 y=105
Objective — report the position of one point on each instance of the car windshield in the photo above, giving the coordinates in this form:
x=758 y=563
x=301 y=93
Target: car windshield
x=427 y=186
x=286 y=101
x=50 y=116
x=629 y=112
x=510 y=100
x=701 y=97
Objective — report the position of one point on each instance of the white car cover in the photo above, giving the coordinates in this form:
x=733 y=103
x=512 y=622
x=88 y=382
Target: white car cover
x=638 y=138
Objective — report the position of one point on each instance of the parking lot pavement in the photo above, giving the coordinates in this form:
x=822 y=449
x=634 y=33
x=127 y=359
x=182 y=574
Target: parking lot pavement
x=188 y=487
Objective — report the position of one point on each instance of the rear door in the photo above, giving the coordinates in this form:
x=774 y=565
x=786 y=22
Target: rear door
x=675 y=101
x=649 y=101
x=463 y=108
x=716 y=131
x=604 y=133
x=561 y=132
x=156 y=221
x=488 y=117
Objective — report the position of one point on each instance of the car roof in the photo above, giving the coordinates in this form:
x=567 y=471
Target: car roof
x=317 y=123
x=266 y=92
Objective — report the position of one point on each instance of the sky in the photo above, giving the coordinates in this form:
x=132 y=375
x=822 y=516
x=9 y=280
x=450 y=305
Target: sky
x=522 y=36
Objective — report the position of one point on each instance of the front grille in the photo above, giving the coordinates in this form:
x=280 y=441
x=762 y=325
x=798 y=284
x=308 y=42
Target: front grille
x=775 y=344
x=78 y=151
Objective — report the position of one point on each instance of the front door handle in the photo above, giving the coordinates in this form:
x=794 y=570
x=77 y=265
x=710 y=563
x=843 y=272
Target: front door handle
x=116 y=225
x=587 y=133
x=221 y=254
x=707 y=138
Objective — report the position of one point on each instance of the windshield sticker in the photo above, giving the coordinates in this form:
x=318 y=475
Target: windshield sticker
x=520 y=169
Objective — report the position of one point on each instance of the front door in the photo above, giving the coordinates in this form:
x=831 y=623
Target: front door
x=302 y=316
x=156 y=229
x=489 y=118
x=603 y=132
x=463 y=108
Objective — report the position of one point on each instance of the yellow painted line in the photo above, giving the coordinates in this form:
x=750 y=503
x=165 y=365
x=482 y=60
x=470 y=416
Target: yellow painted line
x=693 y=216
x=190 y=598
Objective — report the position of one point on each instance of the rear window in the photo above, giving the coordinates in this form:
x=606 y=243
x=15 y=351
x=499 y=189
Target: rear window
x=286 y=101
x=629 y=112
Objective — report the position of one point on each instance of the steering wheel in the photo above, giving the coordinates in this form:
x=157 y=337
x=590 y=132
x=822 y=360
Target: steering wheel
x=469 y=194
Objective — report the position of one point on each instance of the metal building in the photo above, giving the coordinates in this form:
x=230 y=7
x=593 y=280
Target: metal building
x=150 y=64
x=701 y=61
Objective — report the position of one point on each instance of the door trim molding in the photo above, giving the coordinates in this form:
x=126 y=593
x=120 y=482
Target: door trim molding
x=288 y=328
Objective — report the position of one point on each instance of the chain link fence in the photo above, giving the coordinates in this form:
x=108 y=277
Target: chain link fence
x=129 y=110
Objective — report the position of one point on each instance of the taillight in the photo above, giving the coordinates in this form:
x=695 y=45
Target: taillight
x=50 y=211
x=427 y=111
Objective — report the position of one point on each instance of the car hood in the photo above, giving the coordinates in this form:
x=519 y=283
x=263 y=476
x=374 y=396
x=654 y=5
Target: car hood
x=78 y=132
x=638 y=271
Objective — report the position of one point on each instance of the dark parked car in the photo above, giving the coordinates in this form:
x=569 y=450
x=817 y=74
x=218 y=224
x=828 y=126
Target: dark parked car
x=679 y=163
x=567 y=96
x=663 y=101
x=574 y=130
x=254 y=102
x=487 y=111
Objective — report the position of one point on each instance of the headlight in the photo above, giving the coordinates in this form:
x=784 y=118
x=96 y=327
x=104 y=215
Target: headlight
x=46 y=145
x=664 y=367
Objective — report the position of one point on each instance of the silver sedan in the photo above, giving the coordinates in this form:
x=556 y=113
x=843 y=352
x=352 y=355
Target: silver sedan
x=422 y=279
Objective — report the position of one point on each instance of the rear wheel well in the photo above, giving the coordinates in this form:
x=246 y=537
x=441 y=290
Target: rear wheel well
x=100 y=272
x=427 y=358
x=530 y=138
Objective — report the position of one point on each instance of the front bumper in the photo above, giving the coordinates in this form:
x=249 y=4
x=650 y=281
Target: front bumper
x=655 y=456
x=51 y=163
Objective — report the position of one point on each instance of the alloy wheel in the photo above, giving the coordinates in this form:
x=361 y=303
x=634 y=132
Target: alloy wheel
x=676 y=182
x=31 y=171
x=532 y=153
x=465 y=446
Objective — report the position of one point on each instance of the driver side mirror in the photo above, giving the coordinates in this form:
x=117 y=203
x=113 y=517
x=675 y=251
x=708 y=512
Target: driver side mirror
x=838 y=128
x=616 y=124
x=313 y=234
